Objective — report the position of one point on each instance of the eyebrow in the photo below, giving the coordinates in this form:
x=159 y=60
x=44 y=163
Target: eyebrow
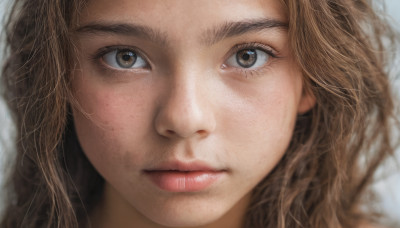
x=210 y=37
x=140 y=31
x=231 y=29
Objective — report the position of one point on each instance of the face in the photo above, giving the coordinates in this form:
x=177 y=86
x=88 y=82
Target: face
x=184 y=106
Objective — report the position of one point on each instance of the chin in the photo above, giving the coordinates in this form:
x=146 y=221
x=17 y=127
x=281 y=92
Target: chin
x=188 y=216
x=186 y=221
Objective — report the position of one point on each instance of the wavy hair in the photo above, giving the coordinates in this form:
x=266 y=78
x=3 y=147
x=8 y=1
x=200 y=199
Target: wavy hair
x=321 y=181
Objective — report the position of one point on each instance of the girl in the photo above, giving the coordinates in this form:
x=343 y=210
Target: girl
x=163 y=113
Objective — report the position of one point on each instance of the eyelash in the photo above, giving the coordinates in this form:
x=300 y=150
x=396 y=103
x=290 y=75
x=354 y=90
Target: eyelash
x=254 y=45
x=99 y=55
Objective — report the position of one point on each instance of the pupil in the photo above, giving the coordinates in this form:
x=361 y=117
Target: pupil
x=126 y=58
x=246 y=58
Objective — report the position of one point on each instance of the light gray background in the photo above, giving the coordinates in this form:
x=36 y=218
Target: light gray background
x=388 y=183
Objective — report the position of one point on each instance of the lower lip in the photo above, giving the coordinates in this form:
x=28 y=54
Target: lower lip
x=176 y=181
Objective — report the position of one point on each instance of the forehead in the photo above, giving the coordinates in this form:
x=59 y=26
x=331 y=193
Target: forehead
x=181 y=18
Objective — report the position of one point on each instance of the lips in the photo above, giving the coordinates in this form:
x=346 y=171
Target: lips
x=183 y=177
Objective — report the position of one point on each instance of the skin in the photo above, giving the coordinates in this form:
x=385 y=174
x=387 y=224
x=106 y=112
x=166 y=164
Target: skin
x=190 y=103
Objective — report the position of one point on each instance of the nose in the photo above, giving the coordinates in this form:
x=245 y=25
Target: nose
x=186 y=111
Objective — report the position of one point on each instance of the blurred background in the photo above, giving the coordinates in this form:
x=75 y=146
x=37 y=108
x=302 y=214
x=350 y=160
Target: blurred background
x=388 y=179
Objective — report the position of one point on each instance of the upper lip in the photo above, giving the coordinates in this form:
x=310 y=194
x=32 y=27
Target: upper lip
x=183 y=167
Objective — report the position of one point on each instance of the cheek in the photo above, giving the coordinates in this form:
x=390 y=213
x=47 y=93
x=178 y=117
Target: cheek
x=262 y=127
x=266 y=110
x=109 y=122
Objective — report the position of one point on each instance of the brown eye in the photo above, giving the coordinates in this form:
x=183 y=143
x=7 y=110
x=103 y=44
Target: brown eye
x=246 y=58
x=126 y=58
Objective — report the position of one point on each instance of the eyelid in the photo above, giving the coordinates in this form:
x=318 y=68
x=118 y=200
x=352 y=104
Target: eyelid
x=254 y=45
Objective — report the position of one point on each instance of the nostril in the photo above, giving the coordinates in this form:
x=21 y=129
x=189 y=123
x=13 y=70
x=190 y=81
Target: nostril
x=172 y=133
x=202 y=133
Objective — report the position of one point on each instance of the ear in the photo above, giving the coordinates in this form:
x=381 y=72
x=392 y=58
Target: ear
x=307 y=102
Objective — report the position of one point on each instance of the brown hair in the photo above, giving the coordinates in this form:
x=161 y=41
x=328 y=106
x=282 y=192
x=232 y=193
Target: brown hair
x=320 y=182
